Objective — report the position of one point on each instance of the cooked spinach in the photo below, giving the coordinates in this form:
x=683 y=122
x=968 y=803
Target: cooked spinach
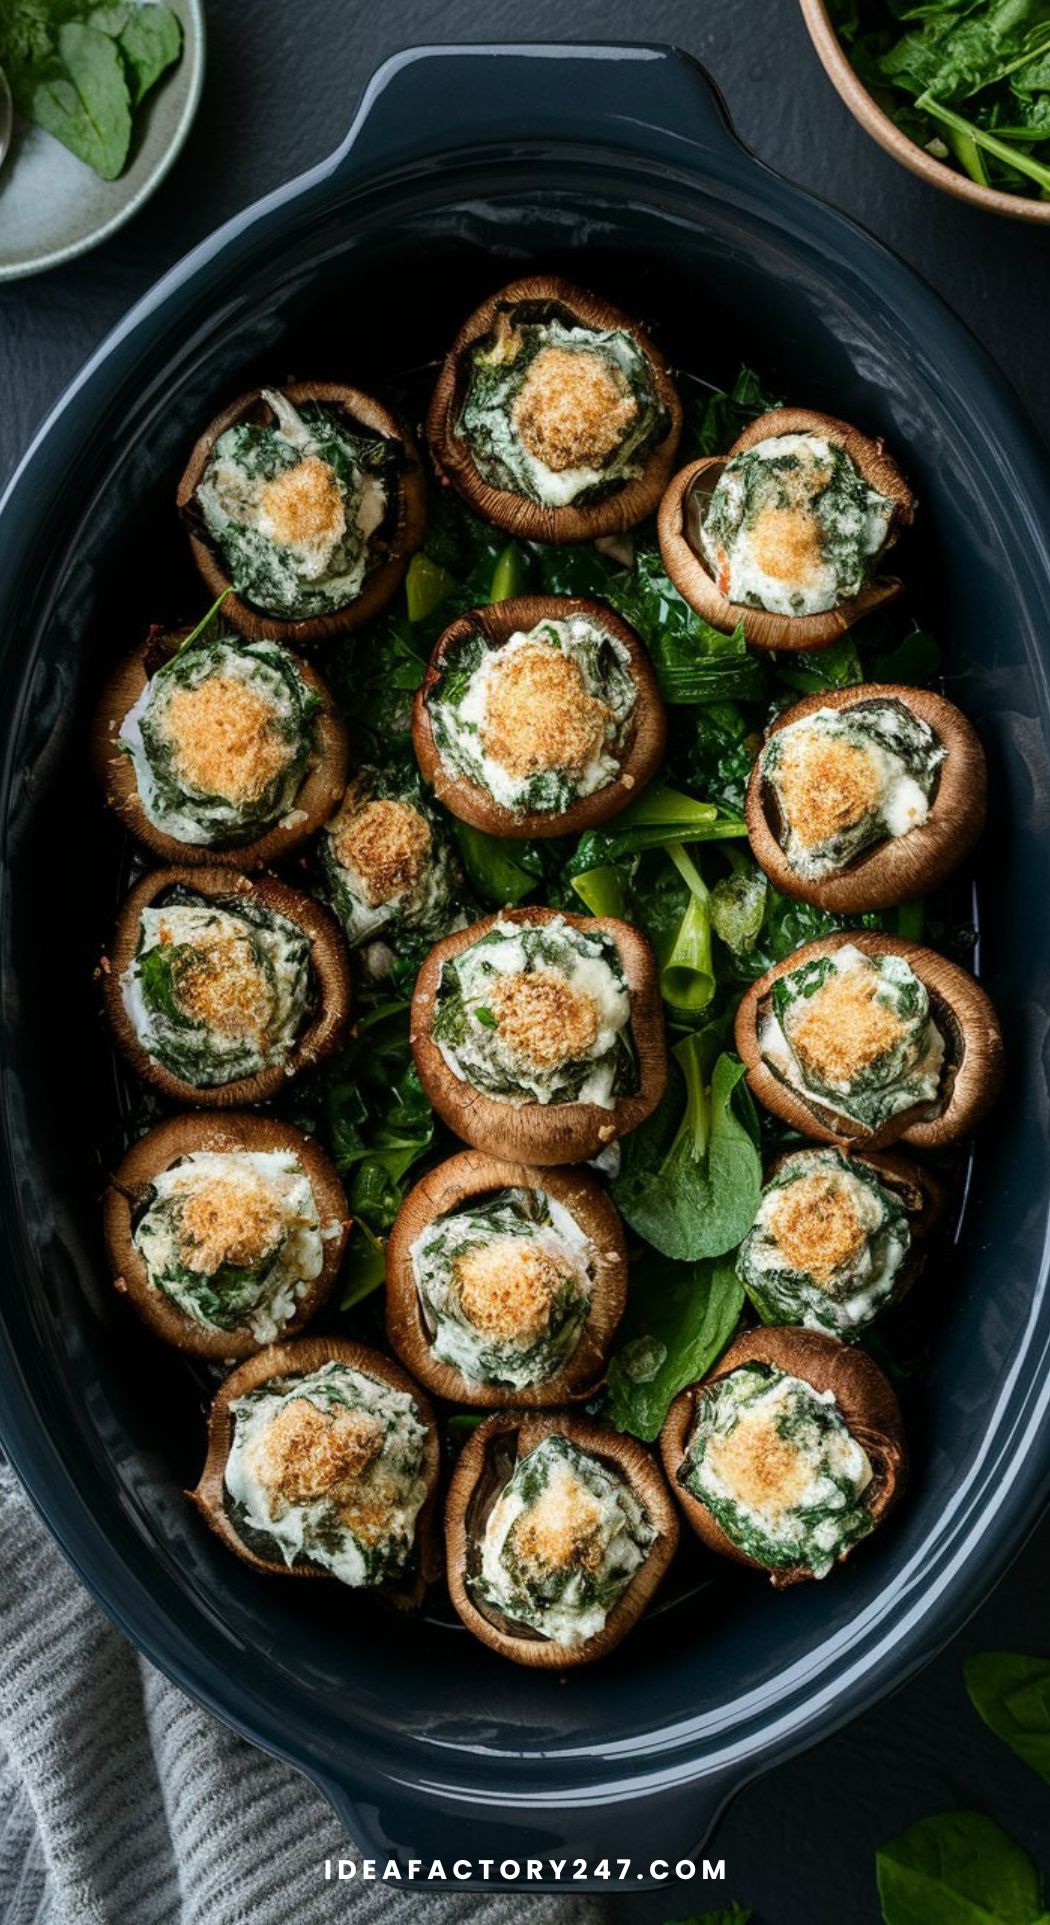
x=80 y=70
x=680 y=1317
x=691 y=1177
x=969 y=82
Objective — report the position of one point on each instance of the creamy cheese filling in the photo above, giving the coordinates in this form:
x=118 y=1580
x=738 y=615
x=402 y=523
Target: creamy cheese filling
x=540 y=721
x=537 y=1013
x=559 y=412
x=845 y=779
x=220 y=740
x=778 y=1469
x=234 y=1238
x=827 y=1245
x=294 y=507
x=562 y=1542
x=389 y=868
x=793 y=527
x=217 y=991
x=856 y=1033
x=327 y=1469
x=505 y=1287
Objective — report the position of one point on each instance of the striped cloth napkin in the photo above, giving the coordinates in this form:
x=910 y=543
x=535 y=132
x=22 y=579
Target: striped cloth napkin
x=124 y=1803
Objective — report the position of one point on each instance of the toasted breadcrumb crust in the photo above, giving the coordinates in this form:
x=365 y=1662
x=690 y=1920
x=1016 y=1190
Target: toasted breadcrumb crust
x=228 y=1220
x=303 y=504
x=844 y=1027
x=760 y=1468
x=815 y=1224
x=561 y=1527
x=386 y=843
x=571 y=410
x=825 y=785
x=539 y=713
x=506 y=1287
x=225 y=739
x=542 y=1018
x=305 y=1454
x=223 y=987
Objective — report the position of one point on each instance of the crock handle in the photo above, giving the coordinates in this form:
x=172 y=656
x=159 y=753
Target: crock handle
x=650 y=101
x=660 y=1835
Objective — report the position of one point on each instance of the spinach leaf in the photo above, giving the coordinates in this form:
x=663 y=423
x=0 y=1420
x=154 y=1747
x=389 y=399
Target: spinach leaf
x=692 y=1190
x=659 y=817
x=80 y=95
x=501 y=873
x=149 y=43
x=378 y=1121
x=694 y=662
x=679 y=1319
x=1012 y=1695
x=714 y=420
x=837 y=666
x=959 y=1868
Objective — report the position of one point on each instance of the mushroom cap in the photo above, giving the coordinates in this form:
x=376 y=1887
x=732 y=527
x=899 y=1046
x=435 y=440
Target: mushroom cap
x=692 y=577
x=542 y=1133
x=973 y=1063
x=461 y=1181
x=301 y=1358
x=865 y=1399
x=639 y=760
x=154 y=1153
x=381 y=582
x=481 y=1472
x=623 y=507
x=900 y=867
x=322 y=1033
x=322 y=786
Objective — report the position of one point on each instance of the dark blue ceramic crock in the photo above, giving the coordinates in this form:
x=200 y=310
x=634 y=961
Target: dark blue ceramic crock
x=466 y=166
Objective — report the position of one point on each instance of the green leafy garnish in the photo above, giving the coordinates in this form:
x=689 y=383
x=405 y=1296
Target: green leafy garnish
x=958 y=1868
x=1012 y=1695
x=680 y=1317
x=692 y=1189
x=80 y=70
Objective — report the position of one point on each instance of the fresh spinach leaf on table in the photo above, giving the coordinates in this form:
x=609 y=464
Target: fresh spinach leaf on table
x=958 y=1868
x=1012 y=1694
x=680 y=1317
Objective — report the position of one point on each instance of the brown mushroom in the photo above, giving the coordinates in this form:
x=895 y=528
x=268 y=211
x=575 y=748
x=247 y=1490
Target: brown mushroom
x=900 y=867
x=542 y=1133
x=323 y=781
x=484 y=1468
x=546 y=297
x=685 y=502
x=396 y=541
x=156 y=1152
x=331 y=971
x=973 y=1056
x=639 y=758
x=301 y=1359
x=866 y=1402
x=467 y=1179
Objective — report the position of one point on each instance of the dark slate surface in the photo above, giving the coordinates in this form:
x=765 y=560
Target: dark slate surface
x=283 y=81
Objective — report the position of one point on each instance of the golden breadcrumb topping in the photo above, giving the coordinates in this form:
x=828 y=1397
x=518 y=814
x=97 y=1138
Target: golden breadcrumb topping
x=384 y=843
x=844 y=1028
x=223 y=987
x=825 y=785
x=226 y=739
x=543 y=1018
x=506 y=1287
x=816 y=1225
x=758 y=1467
x=786 y=544
x=562 y=1526
x=303 y=504
x=573 y=409
x=229 y=1220
x=539 y=713
x=306 y=1454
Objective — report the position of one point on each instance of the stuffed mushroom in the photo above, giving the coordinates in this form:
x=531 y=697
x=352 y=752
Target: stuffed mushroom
x=225 y=1232
x=323 y=1461
x=505 y=1284
x=865 y=1039
x=788 y=531
x=837 y=1239
x=221 y=987
x=538 y=1036
x=554 y=415
x=308 y=501
x=207 y=744
x=864 y=797
x=558 y=1533
x=389 y=870
x=788 y=1454
x=539 y=716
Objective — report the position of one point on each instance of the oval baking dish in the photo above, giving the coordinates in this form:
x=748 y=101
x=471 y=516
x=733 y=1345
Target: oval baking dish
x=622 y=174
